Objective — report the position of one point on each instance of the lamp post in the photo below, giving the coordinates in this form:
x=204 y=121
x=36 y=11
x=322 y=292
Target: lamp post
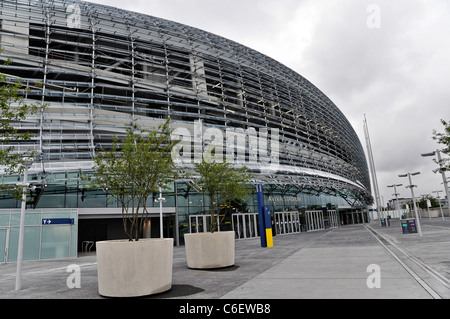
x=160 y=200
x=441 y=170
x=440 y=206
x=26 y=163
x=396 y=196
x=411 y=186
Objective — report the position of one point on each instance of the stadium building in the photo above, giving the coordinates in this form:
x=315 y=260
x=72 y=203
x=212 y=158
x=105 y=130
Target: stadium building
x=98 y=69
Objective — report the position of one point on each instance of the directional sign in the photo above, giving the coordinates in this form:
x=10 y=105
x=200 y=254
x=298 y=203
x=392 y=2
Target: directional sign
x=57 y=221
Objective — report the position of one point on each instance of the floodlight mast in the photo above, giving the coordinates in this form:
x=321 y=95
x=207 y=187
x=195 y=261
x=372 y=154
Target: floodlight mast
x=26 y=163
x=396 y=195
x=372 y=169
x=411 y=186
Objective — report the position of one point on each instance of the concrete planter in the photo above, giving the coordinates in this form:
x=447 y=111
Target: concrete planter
x=210 y=250
x=132 y=269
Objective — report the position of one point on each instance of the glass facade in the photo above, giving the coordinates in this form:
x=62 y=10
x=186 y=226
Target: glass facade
x=48 y=234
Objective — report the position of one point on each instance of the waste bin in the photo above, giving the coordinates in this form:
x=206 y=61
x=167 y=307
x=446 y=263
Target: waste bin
x=409 y=226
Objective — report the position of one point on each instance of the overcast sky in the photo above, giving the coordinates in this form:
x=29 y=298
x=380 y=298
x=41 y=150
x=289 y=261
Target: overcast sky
x=387 y=59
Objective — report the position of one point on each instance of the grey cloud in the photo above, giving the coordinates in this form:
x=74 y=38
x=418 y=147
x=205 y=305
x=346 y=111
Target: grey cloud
x=398 y=75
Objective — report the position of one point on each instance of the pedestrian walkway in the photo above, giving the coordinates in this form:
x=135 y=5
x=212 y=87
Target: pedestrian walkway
x=344 y=263
x=349 y=262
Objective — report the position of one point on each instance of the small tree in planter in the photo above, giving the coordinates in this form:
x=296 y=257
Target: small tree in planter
x=12 y=110
x=131 y=171
x=223 y=184
x=134 y=169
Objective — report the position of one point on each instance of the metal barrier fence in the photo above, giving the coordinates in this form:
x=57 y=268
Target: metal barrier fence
x=333 y=219
x=314 y=220
x=201 y=223
x=287 y=222
x=319 y=220
x=245 y=225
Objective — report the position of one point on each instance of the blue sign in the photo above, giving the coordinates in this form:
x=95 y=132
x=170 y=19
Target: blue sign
x=57 y=221
x=265 y=221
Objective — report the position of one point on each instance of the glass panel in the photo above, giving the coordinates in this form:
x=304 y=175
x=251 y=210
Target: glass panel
x=71 y=200
x=55 y=241
x=92 y=199
x=182 y=201
x=170 y=201
x=33 y=218
x=13 y=244
x=4 y=219
x=9 y=203
x=50 y=200
x=31 y=242
x=15 y=218
x=58 y=241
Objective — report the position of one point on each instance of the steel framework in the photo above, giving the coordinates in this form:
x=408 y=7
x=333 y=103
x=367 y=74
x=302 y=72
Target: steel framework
x=98 y=68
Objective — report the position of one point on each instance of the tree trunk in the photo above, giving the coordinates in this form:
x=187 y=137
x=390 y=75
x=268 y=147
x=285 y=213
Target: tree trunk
x=213 y=217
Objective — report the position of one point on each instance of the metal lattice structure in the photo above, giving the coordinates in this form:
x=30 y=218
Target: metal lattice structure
x=101 y=68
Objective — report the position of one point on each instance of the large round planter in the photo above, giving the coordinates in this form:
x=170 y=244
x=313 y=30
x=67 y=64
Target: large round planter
x=210 y=250
x=133 y=269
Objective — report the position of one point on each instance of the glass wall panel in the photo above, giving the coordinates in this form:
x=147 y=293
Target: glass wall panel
x=15 y=218
x=40 y=241
x=31 y=242
x=8 y=203
x=92 y=199
x=50 y=200
x=4 y=218
x=55 y=242
x=182 y=201
x=71 y=200
x=13 y=244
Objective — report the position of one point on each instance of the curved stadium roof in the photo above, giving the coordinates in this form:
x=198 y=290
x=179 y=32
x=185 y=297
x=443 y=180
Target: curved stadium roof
x=103 y=67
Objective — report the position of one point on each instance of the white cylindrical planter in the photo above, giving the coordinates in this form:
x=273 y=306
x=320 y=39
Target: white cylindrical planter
x=132 y=269
x=210 y=250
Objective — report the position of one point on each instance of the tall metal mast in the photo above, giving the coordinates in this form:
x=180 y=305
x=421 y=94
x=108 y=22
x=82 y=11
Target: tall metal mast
x=372 y=167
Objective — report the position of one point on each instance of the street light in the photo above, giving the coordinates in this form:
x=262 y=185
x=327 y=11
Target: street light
x=411 y=186
x=441 y=170
x=160 y=200
x=396 y=195
x=26 y=163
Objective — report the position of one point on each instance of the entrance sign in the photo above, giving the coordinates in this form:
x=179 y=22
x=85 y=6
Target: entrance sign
x=57 y=221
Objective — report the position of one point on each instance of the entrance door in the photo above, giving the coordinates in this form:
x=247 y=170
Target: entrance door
x=4 y=239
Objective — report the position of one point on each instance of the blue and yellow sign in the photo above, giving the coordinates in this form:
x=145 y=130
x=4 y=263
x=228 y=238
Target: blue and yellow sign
x=265 y=221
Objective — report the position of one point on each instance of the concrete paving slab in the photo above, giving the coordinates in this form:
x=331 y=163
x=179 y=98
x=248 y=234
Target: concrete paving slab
x=326 y=264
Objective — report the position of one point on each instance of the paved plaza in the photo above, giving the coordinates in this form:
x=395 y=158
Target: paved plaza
x=363 y=261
